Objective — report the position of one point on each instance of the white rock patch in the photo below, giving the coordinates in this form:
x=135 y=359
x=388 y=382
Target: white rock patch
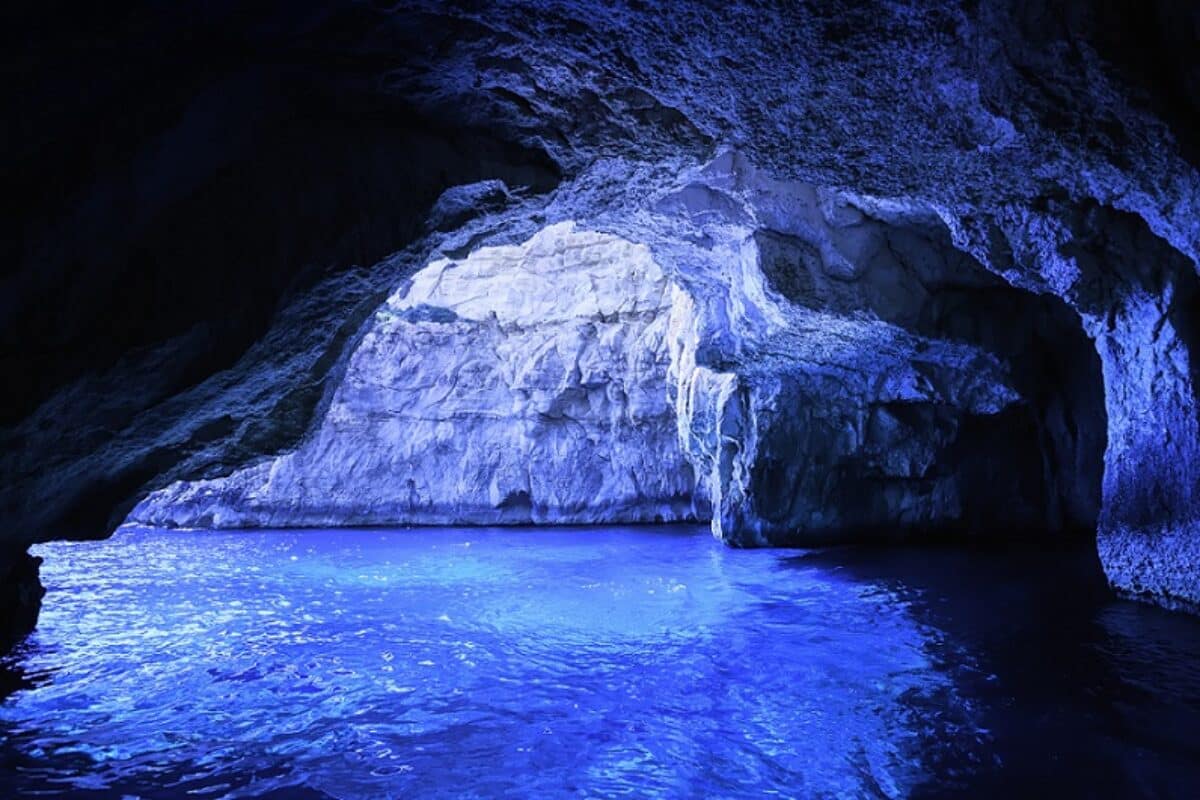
x=523 y=384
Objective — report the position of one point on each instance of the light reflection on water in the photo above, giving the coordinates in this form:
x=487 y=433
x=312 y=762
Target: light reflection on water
x=587 y=662
x=467 y=663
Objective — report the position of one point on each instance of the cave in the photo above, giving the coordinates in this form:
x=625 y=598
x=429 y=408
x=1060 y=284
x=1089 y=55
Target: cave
x=601 y=399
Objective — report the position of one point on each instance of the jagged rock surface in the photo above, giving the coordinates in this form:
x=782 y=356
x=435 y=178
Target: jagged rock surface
x=524 y=384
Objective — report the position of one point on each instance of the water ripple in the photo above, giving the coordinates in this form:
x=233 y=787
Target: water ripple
x=482 y=663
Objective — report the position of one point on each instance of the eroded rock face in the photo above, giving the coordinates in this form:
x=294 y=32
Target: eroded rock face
x=871 y=359
x=523 y=384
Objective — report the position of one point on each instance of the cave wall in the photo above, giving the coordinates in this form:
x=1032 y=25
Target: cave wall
x=523 y=384
x=216 y=198
x=206 y=204
x=814 y=374
x=882 y=384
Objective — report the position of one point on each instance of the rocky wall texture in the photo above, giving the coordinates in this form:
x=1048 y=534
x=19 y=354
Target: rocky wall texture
x=523 y=384
x=812 y=373
x=933 y=254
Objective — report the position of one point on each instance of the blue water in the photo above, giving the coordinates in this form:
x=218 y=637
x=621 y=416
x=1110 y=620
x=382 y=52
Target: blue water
x=608 y=662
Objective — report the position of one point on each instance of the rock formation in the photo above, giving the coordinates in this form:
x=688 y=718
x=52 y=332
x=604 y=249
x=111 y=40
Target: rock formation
x=819 y=368
x=928 y=260
x=523 y=384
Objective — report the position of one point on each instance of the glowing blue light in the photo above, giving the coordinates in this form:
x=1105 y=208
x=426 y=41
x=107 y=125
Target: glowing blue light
x=426 y=662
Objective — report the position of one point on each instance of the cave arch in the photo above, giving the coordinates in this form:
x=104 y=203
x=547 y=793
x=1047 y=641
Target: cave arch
x=961 y=405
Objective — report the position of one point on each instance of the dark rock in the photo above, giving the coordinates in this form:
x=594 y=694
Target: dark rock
x=20 y=597
x=460 y=204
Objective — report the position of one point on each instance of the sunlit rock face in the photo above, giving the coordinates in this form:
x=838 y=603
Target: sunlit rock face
x=523 y=384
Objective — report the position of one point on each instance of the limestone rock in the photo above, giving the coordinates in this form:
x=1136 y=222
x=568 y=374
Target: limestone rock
x=523 y=384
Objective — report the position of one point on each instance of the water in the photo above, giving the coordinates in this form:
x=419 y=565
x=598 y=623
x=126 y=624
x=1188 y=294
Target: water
x=589 y=662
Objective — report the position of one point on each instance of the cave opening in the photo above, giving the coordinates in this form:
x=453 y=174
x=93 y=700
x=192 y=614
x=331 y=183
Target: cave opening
x=964 y=407
x=558 y=381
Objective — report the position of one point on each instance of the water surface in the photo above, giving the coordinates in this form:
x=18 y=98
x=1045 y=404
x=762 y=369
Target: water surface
x=603 y=662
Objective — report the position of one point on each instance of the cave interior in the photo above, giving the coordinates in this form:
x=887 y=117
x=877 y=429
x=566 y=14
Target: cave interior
x=808 y=274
